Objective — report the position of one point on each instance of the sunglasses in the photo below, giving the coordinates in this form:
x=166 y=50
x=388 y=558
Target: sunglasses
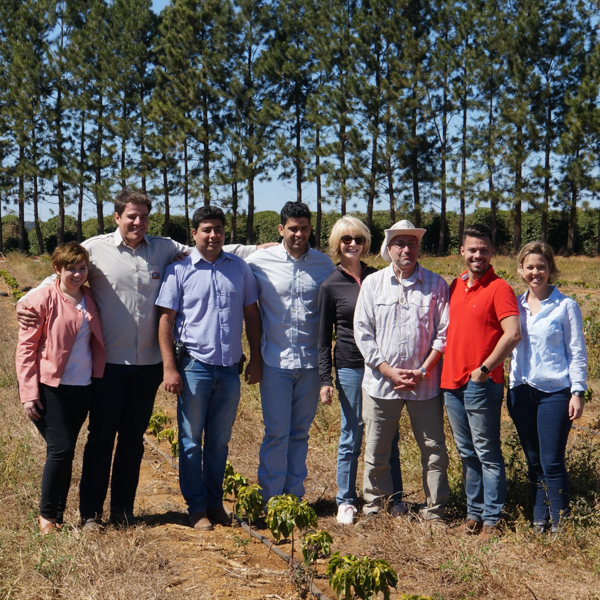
x=359 y=239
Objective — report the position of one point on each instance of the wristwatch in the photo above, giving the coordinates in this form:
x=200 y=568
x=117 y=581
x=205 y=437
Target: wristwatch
x=484 y=370
x=578 y=393
x=424 y=374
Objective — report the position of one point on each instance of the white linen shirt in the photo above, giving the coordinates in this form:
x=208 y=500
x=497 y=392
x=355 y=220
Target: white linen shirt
x=551 y=355
x=288 y=302
x=401 y=333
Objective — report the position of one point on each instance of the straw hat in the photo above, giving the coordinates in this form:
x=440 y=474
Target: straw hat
x=403 y=227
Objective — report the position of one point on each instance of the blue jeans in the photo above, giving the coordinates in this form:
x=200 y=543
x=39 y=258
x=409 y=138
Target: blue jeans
x=543 y=424
x=474 y=415
x=289 y=400
x=348 y=383
x=207 y=405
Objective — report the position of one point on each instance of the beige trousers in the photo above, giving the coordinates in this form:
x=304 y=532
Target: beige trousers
x=427 y=420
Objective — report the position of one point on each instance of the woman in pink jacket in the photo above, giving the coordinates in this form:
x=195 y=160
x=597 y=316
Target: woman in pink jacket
x=55 y=363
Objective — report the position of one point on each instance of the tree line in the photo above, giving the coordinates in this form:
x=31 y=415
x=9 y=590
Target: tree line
x=407 y=104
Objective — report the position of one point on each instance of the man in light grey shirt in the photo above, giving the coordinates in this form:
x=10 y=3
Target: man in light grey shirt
x=289 y=276
x=400 y=327
x=126 y=271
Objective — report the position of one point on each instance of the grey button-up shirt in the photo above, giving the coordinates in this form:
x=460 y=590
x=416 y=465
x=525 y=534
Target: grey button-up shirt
x=289 y=291
x=401 y=326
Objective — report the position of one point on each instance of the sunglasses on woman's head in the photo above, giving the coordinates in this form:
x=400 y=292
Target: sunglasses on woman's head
x=359 y=239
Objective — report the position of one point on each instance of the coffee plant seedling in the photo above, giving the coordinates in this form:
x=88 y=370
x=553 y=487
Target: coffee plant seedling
x=285 y=513
x=249 y=503
x=314 y=545
x=158 y=421
x=232 y=481
x=172 y=436
x=352 y=577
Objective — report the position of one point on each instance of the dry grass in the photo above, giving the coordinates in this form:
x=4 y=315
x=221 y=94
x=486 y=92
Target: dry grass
x=430 y=561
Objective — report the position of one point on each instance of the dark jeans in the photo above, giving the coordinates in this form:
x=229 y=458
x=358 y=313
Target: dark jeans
x=122 y=404
x=543 y=424
x=64 y=411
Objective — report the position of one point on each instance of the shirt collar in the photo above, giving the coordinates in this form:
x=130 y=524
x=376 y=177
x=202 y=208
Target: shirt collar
x=416 y=276
x=488 y=276
x=118 y=239
x=553 y=298
x=197 y=257
x=285 y=254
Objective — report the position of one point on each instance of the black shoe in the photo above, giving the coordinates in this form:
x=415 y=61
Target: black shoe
x=124 y=519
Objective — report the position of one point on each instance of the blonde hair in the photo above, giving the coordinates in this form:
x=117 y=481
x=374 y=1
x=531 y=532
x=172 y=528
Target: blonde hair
x=69 y=253
x=348 y=226
x=542 y=249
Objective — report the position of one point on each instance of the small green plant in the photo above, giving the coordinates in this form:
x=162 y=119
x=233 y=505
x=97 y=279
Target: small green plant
x=232 y=481
x=240 y=542
x=249 y=503
x=353 y=577
x=172 y=436
x=316 y=544
x=286 y=512
x=158 y=421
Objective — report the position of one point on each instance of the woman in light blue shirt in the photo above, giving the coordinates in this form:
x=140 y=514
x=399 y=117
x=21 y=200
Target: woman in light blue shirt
x=547 y=381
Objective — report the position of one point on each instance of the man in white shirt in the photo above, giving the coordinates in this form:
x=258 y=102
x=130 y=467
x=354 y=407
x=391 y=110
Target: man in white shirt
x=289 y=276
x=400 y=327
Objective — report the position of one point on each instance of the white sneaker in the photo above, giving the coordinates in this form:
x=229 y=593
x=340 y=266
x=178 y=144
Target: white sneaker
x=345 y=514
x=399 y=509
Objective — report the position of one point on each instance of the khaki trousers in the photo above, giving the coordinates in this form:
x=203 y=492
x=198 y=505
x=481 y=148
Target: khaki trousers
x=427 y=420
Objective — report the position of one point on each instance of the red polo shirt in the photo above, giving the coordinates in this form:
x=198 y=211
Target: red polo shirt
x=474 y=330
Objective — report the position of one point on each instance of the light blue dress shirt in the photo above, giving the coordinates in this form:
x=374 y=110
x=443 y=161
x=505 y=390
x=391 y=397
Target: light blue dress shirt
x=289 y=290
x=211 y=297
x=551 y=355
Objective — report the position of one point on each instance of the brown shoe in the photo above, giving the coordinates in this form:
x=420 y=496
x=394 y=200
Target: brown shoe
x=488 y=533
x=470 y=527
x=47 y=526
x=200 y=522
x=219 y=516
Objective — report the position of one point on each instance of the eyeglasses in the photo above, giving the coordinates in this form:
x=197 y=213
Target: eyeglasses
x=404 y=244
x=359 y=239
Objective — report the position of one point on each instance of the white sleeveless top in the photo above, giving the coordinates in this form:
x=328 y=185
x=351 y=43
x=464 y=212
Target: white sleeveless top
x=79 y=366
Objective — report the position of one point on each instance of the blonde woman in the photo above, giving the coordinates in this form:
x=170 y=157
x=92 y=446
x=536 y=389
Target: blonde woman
x=547 y=381
x=349 y=241
x=56 y=360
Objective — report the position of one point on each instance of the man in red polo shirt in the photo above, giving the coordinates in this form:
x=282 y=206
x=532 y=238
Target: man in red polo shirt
x=484 y=329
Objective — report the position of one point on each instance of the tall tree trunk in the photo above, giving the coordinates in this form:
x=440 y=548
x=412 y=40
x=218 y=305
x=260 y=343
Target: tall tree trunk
x=165 y=174
x=491 y=188
x=36 y=216
x=99 y=198
x=124 y=149
x=60 y=233
x=143 y=157
x=186 y=190
x=205 y=154
x=414 y=161
x=234 y=211
x=390 y=175
x=22 y=230
x=298 y=158
x=374 y=146
x=463 y=168
x=319 y=189
x=547 y=150
x=82 y=158
x=1 y=237
x=344 y=188
x=572 y=219
x=518 y=225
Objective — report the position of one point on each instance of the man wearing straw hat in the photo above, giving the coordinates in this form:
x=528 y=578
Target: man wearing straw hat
x=400 y=328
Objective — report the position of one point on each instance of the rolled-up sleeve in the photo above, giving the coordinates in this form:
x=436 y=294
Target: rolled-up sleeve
x=441 y=317
x=364 y=327
x=575 y=347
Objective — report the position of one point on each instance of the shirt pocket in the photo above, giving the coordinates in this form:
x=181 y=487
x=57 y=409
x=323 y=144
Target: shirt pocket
x=154 y=275
x=422 y=311
x=386 y=312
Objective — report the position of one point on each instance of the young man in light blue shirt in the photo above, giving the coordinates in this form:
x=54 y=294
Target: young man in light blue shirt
x=289 y=276
x=207 y=297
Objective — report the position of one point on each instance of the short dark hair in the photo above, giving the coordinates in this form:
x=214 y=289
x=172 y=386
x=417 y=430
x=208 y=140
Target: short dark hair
x=478 y=230
x=124 y=197
x=69 y=253
x=207 y=213
x=294 y=210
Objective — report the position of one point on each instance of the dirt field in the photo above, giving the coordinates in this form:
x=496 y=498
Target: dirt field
x=164 y=558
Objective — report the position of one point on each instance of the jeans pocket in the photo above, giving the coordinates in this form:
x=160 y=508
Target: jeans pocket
x=477 y=392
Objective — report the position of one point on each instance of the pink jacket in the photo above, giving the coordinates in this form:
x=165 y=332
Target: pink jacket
x=43 y=351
